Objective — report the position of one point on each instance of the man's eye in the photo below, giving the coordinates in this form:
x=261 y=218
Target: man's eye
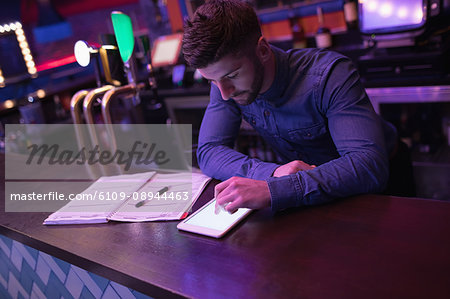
x=232 y=76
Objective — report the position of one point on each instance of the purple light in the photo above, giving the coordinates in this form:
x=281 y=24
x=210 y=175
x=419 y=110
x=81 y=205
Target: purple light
x=379 y=14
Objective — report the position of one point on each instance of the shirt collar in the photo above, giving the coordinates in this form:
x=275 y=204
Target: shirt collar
x=274 y=94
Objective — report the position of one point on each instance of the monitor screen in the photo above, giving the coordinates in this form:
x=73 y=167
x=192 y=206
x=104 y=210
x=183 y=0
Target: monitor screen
x=166 y=50
x=390 y=16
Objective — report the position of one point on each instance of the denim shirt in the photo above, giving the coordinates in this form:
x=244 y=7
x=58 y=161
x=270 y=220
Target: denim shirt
x=317 y=111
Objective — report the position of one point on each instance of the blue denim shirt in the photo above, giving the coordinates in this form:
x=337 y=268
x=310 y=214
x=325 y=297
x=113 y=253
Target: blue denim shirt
x=316 y=111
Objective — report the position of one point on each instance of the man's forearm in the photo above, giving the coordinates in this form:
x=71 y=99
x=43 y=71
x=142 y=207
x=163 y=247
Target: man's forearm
x=354 y=173
x=222 y=162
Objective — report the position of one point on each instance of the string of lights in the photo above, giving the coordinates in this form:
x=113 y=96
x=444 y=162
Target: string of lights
x=24 y=47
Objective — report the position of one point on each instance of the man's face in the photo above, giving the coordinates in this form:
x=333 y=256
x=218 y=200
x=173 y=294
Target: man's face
x=238 y=78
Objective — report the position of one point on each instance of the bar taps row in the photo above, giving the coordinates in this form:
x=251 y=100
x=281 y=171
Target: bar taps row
x=84 y=101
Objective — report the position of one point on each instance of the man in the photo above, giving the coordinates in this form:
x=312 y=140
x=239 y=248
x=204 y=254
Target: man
x=308 y=104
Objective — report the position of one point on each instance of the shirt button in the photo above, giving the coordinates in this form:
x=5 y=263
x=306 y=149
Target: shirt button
x=254 y=122
x=309 y=134
x=267 y=113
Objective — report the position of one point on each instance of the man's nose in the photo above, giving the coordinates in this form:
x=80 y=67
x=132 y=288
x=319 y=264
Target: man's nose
x=226 y=89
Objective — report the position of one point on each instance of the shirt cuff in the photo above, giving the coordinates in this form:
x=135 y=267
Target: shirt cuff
x=264 y=171
x=285 y=192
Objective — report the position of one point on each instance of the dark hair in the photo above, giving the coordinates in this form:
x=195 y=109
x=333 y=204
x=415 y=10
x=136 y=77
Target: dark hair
x=217 y=29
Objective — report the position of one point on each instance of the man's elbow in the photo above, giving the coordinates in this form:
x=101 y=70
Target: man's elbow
x=205 y=160
x=380 y=175
x=202 y=159
x=381 y=183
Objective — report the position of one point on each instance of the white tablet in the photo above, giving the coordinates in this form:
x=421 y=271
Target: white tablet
x=204 y=221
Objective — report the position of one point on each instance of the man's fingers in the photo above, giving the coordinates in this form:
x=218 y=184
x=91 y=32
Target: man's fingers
x=216 y=208
x=224 y=199
x=239 y=193
x=292 y=167
x=234 y=205
x=220 y=187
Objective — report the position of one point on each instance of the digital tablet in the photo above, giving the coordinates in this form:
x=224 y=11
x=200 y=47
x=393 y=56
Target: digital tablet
x=204 y=221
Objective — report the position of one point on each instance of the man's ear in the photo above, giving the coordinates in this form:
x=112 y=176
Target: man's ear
x=263 y=50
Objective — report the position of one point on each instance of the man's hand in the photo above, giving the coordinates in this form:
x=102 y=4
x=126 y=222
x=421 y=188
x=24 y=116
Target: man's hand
x=238 y=192
x=291 y=168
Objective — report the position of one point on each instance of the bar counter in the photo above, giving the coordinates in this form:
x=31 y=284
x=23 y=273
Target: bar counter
x=367 y=246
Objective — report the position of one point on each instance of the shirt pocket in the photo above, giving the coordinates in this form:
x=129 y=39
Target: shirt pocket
x=316 y=135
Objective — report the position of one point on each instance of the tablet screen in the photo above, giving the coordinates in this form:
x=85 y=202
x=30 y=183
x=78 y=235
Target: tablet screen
x=207 y=218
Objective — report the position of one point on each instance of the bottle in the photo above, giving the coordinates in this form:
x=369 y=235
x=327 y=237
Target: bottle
x=298 y=35
x=351 y=13
x=323 y=35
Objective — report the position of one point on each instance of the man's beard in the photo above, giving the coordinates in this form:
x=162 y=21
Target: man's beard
x=256 y=84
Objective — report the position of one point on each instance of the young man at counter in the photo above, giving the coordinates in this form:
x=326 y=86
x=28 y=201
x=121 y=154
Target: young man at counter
x=308 y=104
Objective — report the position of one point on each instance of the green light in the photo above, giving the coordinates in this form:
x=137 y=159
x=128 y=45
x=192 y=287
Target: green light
x=123 y=29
